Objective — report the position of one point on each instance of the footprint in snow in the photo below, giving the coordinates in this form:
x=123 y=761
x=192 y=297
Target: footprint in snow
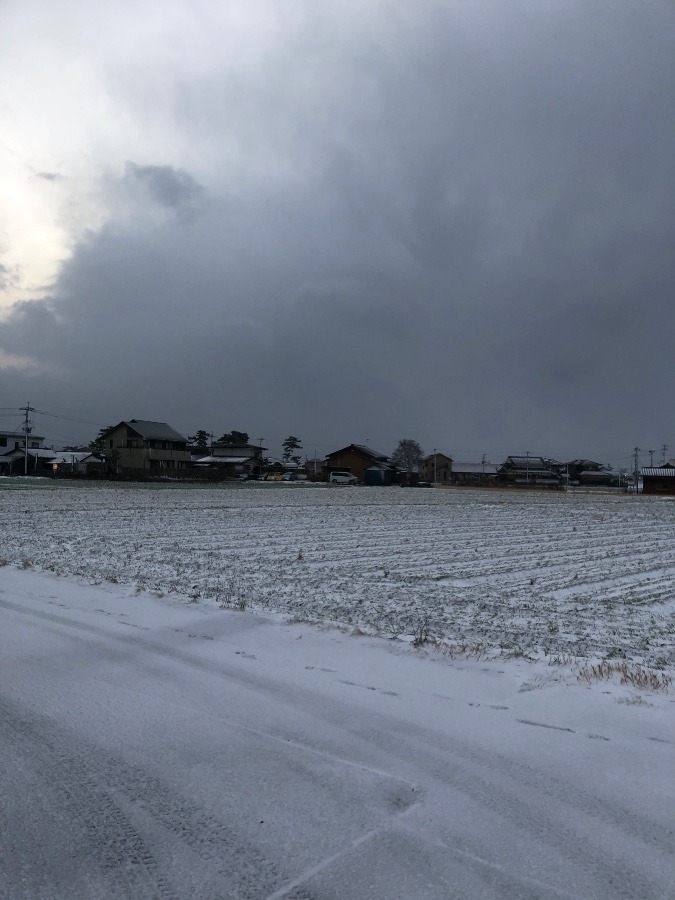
x=369 y=687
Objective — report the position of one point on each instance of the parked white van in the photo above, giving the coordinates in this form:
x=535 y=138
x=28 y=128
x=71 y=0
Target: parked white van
x=342 y=478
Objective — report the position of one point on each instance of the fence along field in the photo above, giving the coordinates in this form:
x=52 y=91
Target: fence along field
x=534 y=573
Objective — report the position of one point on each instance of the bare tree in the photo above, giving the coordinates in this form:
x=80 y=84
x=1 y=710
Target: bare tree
x=407 y=457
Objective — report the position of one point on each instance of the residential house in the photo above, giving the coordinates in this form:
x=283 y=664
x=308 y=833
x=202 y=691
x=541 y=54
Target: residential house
x=142 y=445
x=436 y=467
x=474 y=473
x=529 y=470
x=75 y=462
x=235 y=460
x=11 y=441
x=34 y=461
x=588 y=472
x=15 y=440
x=355 y=458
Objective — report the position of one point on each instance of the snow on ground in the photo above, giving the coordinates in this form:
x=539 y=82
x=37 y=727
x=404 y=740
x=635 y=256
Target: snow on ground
x=549 y=574
x=156 y=748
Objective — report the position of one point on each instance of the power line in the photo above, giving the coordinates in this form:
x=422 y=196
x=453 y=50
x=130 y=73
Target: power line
x=69 y=418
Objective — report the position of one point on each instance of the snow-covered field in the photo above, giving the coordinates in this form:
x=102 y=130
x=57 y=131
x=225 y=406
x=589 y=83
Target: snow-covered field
x=537 y=573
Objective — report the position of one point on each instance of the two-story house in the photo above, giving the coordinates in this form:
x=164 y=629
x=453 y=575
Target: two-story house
x=139 y=444
x=11 y=442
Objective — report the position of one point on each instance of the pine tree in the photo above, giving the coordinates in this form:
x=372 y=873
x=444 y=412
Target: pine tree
x=99 y=444
x=234 y=437
x=200 y=439
x=290 y=444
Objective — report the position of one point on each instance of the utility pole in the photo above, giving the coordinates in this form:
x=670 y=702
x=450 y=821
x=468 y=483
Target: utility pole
x=434 y=465
x=527 y=467
x=664 y=450
x=651 y=458
x=26 y=431
x=482 y=462
x=636 y=464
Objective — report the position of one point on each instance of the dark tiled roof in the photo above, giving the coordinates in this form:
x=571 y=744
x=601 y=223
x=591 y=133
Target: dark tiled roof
x=372 y=452
x=155 y=431
x=360 y=448
x=524 y=461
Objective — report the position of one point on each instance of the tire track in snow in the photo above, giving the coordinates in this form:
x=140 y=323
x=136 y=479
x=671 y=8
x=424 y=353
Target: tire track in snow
x=126 y=864
x=90 y=783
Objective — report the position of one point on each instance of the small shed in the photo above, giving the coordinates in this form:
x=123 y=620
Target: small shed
x=377 y=475
x=659 y=480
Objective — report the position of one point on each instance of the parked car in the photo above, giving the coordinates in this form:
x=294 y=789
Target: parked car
x=342 y=478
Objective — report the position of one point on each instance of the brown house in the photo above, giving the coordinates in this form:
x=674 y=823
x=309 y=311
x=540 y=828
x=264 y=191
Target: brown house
x=436 y=467
x=355 y=458
x=142 y=445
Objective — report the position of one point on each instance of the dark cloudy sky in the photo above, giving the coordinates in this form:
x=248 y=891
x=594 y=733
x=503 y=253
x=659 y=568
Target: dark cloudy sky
x=350 y=221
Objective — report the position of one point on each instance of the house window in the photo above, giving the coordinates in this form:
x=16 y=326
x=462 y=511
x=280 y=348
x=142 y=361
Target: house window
x=3 y=441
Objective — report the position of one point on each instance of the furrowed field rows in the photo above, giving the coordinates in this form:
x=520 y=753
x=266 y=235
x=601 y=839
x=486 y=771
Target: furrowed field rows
x=589 y=575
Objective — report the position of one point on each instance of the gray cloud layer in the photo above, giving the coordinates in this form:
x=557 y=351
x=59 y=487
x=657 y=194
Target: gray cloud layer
x=455 y=226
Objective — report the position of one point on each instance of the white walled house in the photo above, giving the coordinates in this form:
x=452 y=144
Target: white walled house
x=11 y=442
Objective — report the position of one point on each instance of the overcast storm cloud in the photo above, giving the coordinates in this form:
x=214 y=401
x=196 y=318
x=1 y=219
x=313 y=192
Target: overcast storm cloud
x=350 y=222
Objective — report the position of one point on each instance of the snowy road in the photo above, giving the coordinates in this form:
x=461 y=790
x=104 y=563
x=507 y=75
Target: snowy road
x=152 y=748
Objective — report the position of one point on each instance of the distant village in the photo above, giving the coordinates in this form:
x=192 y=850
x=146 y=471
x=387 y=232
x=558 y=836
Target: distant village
x=138 y=449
